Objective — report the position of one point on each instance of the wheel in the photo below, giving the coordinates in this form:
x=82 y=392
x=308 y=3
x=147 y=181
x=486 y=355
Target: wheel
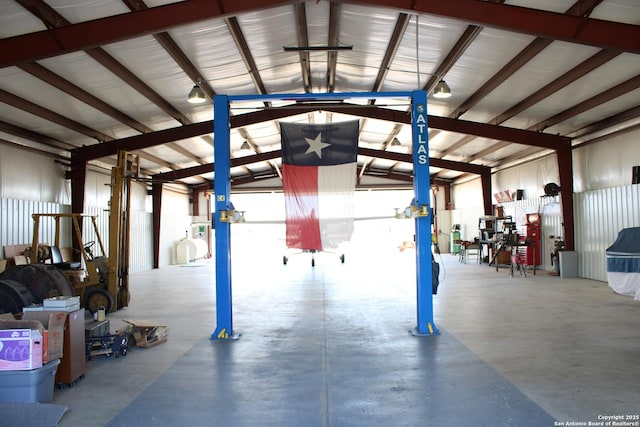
x=97 y=297
x=342 y=258
x=14 y=296
x=123 y=351
x=284 y=260
x=43 y=281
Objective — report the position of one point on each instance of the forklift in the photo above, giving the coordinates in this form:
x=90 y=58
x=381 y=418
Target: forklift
x=105 y=281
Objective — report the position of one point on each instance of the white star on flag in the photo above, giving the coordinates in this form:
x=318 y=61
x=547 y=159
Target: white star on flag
x=316 y=145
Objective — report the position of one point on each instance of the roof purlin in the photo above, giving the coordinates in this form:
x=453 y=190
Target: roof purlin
x=85 y=35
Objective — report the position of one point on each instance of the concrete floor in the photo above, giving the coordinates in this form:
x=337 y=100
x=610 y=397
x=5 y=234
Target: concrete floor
x=329 y=346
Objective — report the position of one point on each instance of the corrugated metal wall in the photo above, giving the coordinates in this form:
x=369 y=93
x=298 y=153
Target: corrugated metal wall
x=26 y=175
x=16 y=223
x=16 y=228
x=141 y=247
x=600 y=215
x=551 y=228
x=102 y=220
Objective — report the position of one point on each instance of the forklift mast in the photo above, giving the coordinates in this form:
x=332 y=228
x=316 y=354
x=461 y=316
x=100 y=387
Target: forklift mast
x=119 y=228
x=106 y=283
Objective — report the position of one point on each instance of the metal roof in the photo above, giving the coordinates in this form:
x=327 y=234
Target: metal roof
x=89 y=75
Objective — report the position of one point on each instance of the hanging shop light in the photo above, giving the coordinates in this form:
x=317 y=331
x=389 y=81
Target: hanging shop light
x=196 y=96
x=442 y=90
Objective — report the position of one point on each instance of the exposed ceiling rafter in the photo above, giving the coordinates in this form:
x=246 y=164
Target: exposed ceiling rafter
x=303 y=40
x=332 y=55
x=390 y=21
x=176 y=175
x=540 y=23
x=35 y=136
x=580 y=8
x=85 y=35
x=53 y=19
x=461 y=126
x=172 y=48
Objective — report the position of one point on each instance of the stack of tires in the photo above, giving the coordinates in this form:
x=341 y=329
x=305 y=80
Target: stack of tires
x=23 y=285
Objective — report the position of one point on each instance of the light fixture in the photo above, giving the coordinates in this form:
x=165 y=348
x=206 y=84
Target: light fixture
x=395 y=142
x=316 y=48
x=245 y=146
x=442 y=90
x=196 y=96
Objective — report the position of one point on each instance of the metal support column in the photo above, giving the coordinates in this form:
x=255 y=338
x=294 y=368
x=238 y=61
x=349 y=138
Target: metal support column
x=565 y=170
x=222 y=190
x=78 y=182
x=423 y=215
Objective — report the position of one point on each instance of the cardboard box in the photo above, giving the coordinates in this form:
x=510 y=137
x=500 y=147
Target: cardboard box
x=33 y=307
x=61 y=303
x=20 y=349
x=147 y=333
x=20 y=260
x=53 y=323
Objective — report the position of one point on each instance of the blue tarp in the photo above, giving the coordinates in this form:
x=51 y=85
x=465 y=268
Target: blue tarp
x=623 y=255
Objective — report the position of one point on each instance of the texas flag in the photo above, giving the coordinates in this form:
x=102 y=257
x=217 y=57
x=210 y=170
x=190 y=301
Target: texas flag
x=319 y=181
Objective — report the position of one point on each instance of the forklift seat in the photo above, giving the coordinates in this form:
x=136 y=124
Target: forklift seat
x=56 y=260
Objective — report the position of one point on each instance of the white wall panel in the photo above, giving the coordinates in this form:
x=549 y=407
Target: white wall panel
x=607 y=164
x=97 y=195
x=467 y=208
x=16 y=222
x=141 y=245
x=28 y=176
x=530 y=177
x=552 y=230
x=600 y=215
x=96 y=190
x=175 y=224
x=102 y=221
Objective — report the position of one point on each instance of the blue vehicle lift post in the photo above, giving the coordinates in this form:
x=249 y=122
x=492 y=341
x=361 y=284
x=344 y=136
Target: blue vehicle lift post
x=422 y=194
x=224 y=208
x=222 y=190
